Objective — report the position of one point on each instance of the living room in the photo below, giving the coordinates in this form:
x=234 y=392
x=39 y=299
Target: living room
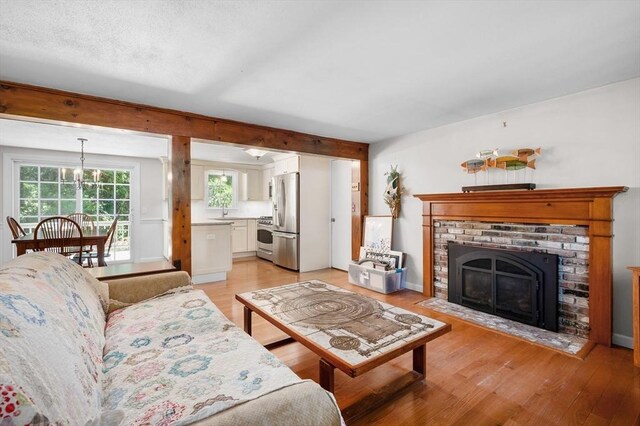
x=557 y=75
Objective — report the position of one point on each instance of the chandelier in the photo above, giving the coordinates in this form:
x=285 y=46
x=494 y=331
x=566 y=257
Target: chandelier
x=78 y=174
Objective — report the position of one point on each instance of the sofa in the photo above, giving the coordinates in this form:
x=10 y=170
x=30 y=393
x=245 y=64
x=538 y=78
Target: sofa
x=145 y=350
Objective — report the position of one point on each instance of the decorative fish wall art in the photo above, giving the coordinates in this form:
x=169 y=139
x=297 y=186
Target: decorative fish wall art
x=474 y=165
x=522 y=158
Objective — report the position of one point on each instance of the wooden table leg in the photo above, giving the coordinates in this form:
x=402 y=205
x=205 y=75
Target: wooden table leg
x=100 y=248
x=247 y=320
x=326 y=375
x=420 y=359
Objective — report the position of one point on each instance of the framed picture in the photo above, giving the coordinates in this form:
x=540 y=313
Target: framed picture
x=378 y=231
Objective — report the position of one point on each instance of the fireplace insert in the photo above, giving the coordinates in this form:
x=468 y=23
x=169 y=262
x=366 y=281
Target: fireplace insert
x=518 y=285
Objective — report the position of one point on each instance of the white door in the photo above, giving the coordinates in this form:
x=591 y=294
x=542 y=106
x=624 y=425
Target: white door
x=340 y=214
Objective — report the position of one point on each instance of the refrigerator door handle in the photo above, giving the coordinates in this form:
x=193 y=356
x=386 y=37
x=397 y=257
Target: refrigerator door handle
x=287 y=236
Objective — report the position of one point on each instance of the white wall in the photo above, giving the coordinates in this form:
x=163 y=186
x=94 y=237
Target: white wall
x=590 y=138
x=315 y=213
x=147 y=238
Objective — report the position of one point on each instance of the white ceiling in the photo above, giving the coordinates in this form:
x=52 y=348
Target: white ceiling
x=357 y=70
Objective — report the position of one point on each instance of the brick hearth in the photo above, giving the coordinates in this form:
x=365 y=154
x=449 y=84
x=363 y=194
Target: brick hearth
x=570 y=243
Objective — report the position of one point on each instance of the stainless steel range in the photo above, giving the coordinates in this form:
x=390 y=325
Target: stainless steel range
x=264 y=237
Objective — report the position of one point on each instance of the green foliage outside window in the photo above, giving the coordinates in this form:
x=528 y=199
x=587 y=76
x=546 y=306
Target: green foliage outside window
x=220 y=191
x=46 y=191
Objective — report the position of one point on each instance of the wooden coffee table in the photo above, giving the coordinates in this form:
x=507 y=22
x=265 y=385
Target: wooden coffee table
x=349 y=331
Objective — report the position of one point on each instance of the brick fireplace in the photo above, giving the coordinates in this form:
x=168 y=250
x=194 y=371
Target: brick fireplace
x=574 y=224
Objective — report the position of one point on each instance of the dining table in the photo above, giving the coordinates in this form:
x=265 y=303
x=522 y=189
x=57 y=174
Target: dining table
x=96 y=238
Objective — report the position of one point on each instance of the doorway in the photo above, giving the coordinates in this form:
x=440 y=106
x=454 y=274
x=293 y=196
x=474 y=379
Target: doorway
x=340 y=214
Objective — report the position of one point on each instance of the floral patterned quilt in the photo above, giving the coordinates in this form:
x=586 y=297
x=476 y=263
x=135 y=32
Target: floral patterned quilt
x=52 y=323
x=177 y=359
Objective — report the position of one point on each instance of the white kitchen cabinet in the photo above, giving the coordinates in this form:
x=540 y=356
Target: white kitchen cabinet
x=239 y=235
x=287 y=165
x=210 y=250
x=254 y=185
x=267 y=174
x=250 y=185
x=197 y=182
x=252 y=230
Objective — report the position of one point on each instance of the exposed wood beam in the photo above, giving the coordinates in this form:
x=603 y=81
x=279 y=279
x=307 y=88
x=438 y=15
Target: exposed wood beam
x=51 y=104
x=180 y=202
x=359 y=203
x=33 y=102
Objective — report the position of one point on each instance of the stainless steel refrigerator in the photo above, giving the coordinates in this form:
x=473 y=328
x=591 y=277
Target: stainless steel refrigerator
x=286 y=220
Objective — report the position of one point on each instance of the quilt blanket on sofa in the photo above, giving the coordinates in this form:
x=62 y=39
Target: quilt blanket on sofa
x=177 y=359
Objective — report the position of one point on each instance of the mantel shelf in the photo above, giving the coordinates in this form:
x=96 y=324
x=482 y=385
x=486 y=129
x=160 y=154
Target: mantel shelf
x=536 y=194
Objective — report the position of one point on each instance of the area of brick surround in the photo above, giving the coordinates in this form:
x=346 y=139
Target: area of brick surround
x=570 y=243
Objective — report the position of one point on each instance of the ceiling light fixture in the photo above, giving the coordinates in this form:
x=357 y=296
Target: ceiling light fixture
x=78 y=174
x=257 y=153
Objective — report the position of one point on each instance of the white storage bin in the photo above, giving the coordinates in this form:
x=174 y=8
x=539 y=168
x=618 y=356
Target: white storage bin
x=377 y=279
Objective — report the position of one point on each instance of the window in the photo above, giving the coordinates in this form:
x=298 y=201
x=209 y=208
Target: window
x=44 y=192
x=221 y=189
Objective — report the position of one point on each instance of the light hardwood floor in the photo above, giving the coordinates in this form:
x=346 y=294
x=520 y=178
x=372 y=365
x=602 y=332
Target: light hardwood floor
x=474 y=376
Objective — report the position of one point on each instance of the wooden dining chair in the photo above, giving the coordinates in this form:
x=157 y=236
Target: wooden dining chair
x=16 y=229
x=107 y=244
x=61 y=231
x=84 y=220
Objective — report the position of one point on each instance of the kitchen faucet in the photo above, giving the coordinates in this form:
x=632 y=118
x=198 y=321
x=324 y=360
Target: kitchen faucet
x=224 y=212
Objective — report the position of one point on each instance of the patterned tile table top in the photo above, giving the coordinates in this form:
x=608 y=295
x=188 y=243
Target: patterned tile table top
x=351 y=326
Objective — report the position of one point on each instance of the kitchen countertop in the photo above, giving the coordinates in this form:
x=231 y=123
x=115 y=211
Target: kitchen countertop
x=213 y=222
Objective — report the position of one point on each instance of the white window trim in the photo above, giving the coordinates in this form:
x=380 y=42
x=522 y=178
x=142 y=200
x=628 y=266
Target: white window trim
x=11 y=195
x=234 y=184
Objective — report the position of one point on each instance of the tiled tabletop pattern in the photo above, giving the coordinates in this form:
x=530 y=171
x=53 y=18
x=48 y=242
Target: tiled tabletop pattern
x=354 y=327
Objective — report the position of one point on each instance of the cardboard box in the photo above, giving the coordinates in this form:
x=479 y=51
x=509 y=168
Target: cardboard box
x=377 y=279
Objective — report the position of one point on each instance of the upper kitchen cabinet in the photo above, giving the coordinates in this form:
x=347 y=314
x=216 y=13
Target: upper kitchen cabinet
x=267 y=174
x=197 y=182
x=254 y=185
x=250 y=185
x=287 y=165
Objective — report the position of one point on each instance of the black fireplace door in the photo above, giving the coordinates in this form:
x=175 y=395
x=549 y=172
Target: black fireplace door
x=501 y=283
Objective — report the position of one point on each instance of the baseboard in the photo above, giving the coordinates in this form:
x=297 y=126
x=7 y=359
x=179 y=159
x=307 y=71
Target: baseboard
x=209 y=278
x=622 y=340
x=150 y=259
x=243 y=254
x=414 y=287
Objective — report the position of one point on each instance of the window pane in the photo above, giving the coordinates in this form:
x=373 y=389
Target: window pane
x=122 y=207
x=49 y=174
x=28 y=190
x=28 y=219
x=220 y=191
x=29 y=173
x=89 y=207
x=49 y=190
x=67 y=207
x=28 y=207
x=106 y=176
x=49 y=208
x=122 y=177
x=122 y=192
x=67 y=190
x=106 y=191
x=90 y=192
x=106 y=208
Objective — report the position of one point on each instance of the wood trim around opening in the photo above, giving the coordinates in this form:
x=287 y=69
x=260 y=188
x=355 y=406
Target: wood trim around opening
x=27 y=102
x=592 y=207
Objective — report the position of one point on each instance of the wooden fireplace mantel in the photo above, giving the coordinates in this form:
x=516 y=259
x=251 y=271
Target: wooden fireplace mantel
x=591 y=207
